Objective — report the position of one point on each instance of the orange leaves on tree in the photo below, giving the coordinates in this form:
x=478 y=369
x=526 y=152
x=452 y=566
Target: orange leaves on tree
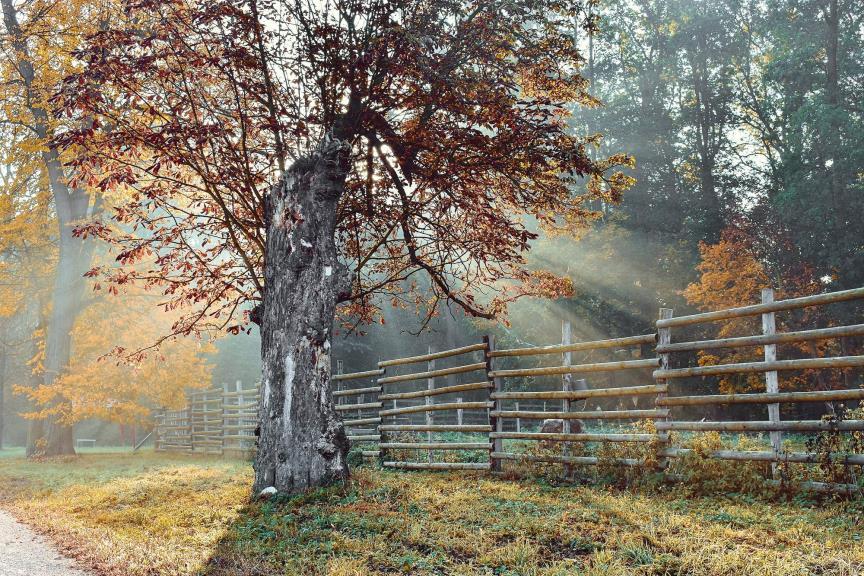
x=456 y=116
x=101 y=383
x=733 y=274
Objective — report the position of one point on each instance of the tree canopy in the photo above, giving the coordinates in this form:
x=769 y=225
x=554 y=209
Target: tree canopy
x=455 y=115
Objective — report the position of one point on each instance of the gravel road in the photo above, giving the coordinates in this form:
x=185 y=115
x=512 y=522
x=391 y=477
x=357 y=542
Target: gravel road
x=25 y=553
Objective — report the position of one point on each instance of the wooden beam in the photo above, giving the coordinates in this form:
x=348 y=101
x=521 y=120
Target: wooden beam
x=577 y=346
x=781 y=397
x=434 y=428
x=361 y=421
x=553 y=437
x=591 y=415
x=580 y=394
x=762 y=340
x=350 y=407
x=433 y=356
x=356 y=375
x=769 y=456
x=436 y=445
x=433 y=373
x=357 y=391
x=365 y=438
x=579 y=368
x=749 y=367
x=761 y=426
x=437 y=407
x=590 y=460
x=435 y=391
x=756 y=309
x=438 y=465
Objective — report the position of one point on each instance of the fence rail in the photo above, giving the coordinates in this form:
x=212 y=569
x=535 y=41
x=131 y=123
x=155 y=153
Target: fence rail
x=397 y=411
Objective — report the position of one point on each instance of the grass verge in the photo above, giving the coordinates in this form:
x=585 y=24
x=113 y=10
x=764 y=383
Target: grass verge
x=148 y=514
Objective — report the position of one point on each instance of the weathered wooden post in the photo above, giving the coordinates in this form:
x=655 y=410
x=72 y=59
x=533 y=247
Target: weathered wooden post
x=772 y=385
x=340 y=366
x=430 y=385
x=664 y=336
x=157 y=433
x=496 y=426
x=241 y=399
x=518 y=419
x=566 y=386
x=459 y=412
x=224 y=415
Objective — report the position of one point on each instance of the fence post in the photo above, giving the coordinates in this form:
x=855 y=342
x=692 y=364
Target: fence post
x=238 y=387
x=566 y=386
x=430 y=385
x=224 y=421
x=495 y=423
x=382 y=435
x=772 y=385
x=664 y=336
x=339 y=368
x=518 y=419
x=191 y=422
x=459 y=412
x=157 y=433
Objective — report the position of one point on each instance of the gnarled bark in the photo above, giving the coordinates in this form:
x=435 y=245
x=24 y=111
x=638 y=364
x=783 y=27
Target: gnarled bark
x=302 y=441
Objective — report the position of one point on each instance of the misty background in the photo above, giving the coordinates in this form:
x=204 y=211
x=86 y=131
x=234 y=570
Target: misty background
x=746 y=122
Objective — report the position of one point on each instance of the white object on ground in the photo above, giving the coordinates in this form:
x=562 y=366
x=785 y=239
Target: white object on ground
x=265 y=493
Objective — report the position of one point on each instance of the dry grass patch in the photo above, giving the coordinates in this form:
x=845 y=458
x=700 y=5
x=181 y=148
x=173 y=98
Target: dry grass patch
x=129 y=514
x=186 y=516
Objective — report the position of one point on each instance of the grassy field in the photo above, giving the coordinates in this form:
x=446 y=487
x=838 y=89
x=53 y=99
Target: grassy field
x=149 y=514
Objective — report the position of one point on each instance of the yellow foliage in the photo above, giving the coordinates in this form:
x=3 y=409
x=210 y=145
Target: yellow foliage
x=100 y=385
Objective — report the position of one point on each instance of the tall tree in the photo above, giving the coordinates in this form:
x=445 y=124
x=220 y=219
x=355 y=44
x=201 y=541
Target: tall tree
x=421 y=134
x=38 y=51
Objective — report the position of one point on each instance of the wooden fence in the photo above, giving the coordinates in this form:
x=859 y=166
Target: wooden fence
x=478 y=407
x=215 y=421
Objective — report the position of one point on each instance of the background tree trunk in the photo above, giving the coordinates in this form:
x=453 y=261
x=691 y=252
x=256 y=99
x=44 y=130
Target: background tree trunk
x=67 y=304
x=3 y=353
x=302 y=441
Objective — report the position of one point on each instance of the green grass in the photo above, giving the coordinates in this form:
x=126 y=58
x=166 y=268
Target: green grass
x=15 y=452
x=148 y=514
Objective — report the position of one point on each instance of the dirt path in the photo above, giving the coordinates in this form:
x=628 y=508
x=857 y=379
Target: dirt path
x=25 y=553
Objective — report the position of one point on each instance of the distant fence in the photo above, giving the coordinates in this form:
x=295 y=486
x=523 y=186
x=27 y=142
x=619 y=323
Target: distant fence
x=479 y=407
x=215 y=421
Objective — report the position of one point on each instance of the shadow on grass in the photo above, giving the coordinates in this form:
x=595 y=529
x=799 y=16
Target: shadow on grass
x=388 y=522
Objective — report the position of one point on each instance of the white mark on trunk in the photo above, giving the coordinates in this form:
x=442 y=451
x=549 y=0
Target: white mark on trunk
x=266 y=392
x=328 y=270
x=279 y=212
x=289 y=394
x=305 y=243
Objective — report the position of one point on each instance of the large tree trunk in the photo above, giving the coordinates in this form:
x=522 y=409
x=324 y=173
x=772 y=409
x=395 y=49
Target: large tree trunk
x=833 y=142
x=2 y=390
x=67 y=303
x=712 y=219
x=302 y=441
